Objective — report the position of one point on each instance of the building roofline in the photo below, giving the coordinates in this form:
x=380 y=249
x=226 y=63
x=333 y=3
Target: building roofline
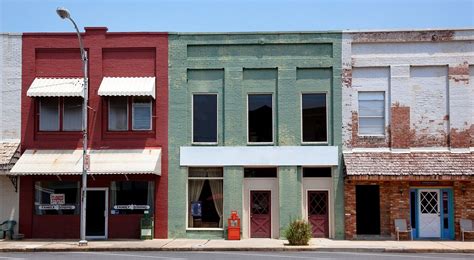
x=408 y=30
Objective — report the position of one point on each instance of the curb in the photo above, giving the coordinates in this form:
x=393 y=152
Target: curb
x=236 y=249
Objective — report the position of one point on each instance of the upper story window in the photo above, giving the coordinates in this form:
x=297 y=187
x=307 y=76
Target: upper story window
x=205 y=118
x=60 y=113
x=371 y=113
x=119 y=118
x=314 y=117
x=260 y=118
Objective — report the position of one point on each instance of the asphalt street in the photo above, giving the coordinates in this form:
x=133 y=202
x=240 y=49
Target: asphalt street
x=226 y=255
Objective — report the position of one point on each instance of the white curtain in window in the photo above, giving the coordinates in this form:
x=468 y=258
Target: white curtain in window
x=194 y=191
x=217 y=195
x=49 y=114
x=118 y=114
x=72 y=118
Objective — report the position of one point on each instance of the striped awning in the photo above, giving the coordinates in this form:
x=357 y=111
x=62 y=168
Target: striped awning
x=56 y=87
x=127 y=86
x=69 y=162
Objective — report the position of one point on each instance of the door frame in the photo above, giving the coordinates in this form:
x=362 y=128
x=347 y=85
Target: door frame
x=106 y=231
x=329 y=208
x=449 y=190
x=250 y=211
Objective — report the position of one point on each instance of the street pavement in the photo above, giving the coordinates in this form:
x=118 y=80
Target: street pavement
x=317 y=244
x=227 y=255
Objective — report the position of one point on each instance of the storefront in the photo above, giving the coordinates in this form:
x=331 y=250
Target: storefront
x=431 y=192
x=122 y=187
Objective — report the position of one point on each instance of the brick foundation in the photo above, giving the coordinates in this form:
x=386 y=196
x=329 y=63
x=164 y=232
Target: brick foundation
x=395 y=203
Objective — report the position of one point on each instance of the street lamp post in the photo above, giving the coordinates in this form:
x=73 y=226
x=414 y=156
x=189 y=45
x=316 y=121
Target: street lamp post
x=64 y=14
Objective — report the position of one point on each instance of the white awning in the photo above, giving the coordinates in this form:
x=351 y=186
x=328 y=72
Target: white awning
x=56 y=87
x=69 y=162
x=259 y=156
x=127 y=86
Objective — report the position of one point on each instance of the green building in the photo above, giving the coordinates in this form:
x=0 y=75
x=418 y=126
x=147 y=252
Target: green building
x=255 y=127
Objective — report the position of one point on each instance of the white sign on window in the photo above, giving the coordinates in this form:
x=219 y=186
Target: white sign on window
x=57 y=199
x=56 y=207
x=131 y=207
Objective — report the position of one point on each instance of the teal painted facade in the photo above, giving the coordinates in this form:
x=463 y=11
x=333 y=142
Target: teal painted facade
x=233 y=65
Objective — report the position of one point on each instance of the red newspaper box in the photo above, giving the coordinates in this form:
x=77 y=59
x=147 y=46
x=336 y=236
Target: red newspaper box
x=233 y=226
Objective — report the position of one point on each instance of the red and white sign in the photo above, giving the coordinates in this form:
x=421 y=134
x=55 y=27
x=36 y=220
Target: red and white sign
x=57 y=199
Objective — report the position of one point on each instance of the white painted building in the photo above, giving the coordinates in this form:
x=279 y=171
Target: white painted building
x=408 y=131
x=10 y=122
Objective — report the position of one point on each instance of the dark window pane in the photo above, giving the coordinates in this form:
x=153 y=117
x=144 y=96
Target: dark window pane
x=141 y=118
x=72 y=118
x=413 y=209
x=198 y=172
x=131 y=197
x=49 y=114
x=316 y=172
x=314 y=118
x=260 y=118
x=57 y=198
x=118 y=113
x=260 y=172
x=205 y=118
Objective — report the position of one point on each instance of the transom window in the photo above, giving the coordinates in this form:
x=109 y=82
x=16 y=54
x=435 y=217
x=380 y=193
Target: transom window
x=60 y=114
x=319 y=172
x=205 y=198
x=119 y=118
x=260 y=118
x=314 y=117
x=205 y=118
x=372 y=113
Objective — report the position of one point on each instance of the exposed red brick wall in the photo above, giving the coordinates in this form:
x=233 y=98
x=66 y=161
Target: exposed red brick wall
x=463 y=205
x=459 y=73
x=395 y=204
x=460 y=139
x=364 y=141
x=400 y=127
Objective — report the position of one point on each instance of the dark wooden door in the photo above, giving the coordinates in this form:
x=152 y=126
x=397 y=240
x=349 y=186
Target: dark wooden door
x=260 y=214
x=318 y=213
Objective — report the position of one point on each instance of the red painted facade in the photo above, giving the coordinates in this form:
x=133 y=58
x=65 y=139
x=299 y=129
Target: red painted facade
x=57 y=55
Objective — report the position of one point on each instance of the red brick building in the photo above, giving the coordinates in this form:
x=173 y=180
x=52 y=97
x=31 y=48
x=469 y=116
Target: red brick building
x=408 y=132
x=128 y=134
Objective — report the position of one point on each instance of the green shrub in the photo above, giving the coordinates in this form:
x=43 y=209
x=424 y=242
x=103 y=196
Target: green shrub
x=298 y=232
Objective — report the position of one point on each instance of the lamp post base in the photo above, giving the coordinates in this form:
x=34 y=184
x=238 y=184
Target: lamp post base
x=83 y=243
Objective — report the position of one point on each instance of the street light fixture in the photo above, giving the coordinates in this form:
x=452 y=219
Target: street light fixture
x=64 y=14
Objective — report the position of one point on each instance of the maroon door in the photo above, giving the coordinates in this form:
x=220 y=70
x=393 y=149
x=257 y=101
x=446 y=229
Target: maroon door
x=318 y=213
x=260 y=214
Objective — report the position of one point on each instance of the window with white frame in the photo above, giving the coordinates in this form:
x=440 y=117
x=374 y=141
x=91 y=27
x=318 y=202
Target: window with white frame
x=260 y=118
x=314 y=117
x=371 y=112
x=205 y=197
x=205 y=118
x=60 y=114
x=119 y=117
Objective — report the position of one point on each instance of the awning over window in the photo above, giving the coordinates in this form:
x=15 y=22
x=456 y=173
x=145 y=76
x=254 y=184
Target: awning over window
x=131 y=86
x=69 y=162
x=56 y=87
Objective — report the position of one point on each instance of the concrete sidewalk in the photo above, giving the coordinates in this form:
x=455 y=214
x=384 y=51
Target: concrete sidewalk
x=241 y=245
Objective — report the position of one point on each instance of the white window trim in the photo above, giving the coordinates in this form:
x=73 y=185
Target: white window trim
x=327 y=117
x=273 y=118
x=62 y=126
x=59 y=117
x=187 y=200
x=133 y=115
x=108 y=118
x=384 y=114
x=192 y=118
